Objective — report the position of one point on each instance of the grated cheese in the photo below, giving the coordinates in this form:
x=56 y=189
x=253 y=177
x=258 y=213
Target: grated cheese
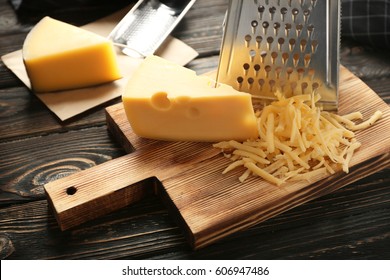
x=297 y=141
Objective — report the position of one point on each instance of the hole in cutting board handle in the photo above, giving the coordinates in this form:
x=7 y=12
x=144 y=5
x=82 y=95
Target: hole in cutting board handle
x=71 y=190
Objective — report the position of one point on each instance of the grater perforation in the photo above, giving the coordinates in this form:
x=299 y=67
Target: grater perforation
x=145 y=27
x=282 y=45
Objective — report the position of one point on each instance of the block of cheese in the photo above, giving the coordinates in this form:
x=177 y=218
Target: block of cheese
x=166 y=101
x=60 y=56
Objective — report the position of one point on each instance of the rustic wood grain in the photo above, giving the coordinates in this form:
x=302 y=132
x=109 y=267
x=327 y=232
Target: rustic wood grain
x=366 y=64
x=319 y=238
x=209 y=205
x=48 y=158
x=23 y=114
x=133 y=230
x=349 y=223
x=6 y=246
x=112 y=185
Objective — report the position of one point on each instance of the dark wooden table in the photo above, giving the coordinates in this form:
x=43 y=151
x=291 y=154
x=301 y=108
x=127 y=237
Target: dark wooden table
x=36 y=148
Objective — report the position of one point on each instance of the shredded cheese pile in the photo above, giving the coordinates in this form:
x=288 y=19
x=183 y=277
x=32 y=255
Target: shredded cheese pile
x=297 y=141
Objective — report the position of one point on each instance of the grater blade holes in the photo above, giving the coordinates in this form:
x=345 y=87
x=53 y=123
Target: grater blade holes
x=296 y=59
x=246 y=67
x=298 y=29
x=263 y=55
x=315 y=86
x=291 y=43
x=248 y=39
x=270 y=40
x=257 y=68
x=250 y=82
x=307 y=59
x=267 y=69
x=239 y=80
x=272 y=11
x=303 y=44
x=280 y=43
x=283 y=12
x=306 y=15
x=304 y=86
x=258 y=41
x=278 y=70
x=274 y=56
x=265 y=25
x=311 y=73
x=300 y=72
x=272 y=84
x=252 y=54
x=282 y=49
x=289 y=71
x=261 y=83
x=294 y=13
x=287 y=28
x=261 y=10
x=285 y=57
x=254 y=25
x=293 y=87
x=314 y=46
x=276 y=28
x=310 y=29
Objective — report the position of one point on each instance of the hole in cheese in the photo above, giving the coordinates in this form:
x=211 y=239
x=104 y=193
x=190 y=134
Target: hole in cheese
x=166 y=101
x=193 y=113
x=160 y=101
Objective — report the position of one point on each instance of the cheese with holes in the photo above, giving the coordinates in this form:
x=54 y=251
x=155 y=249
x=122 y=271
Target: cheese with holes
x=60 y=56
x=166 y=101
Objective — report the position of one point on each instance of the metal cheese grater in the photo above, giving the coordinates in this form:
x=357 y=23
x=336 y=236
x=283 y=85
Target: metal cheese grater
x=291 y=46
x=145 y=27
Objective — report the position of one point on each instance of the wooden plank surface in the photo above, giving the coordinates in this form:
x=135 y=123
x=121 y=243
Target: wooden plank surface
x=209 y=205
x=212 y=206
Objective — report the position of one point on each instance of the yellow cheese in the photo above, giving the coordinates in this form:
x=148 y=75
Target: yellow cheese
x=166 y=101
x=60 y=56
x=297 y=141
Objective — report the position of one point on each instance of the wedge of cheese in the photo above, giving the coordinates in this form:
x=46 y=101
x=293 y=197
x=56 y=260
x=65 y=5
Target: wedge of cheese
x=166 y=101
x=60 y=56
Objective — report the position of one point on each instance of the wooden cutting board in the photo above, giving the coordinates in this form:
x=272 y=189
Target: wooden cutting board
x=188 y=177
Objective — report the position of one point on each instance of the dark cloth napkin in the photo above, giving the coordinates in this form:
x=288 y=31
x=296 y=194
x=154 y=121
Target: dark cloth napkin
x=78 y=12
x=367 y=21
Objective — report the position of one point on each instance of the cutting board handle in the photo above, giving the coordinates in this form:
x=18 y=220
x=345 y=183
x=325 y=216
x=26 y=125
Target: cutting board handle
x=119 y=182
x=99 y=190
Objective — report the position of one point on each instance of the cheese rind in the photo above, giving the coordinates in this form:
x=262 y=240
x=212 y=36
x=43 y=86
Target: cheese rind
x=60 y=56
x=166 y=101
